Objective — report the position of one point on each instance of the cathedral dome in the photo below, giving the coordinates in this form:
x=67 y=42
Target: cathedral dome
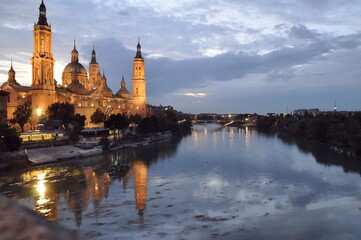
x=74 y=68
x=74 y=71
x=123 y=92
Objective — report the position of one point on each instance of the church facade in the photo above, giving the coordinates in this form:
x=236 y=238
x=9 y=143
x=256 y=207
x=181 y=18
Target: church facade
x=86 y=92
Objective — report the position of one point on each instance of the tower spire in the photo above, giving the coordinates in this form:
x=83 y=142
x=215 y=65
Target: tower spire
x=11 y=74
x=139 y=48
x=42 y=15
x=74 y=54
x=94 y=59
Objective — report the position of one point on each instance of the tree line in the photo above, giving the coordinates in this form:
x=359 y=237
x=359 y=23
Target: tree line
x=62 y=115
x=339 y=130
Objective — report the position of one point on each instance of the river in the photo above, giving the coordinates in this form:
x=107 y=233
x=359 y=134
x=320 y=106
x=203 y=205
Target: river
x=215 y=183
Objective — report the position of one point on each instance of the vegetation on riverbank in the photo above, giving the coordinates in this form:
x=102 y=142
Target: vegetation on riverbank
x=340 y=131
x=9 y=139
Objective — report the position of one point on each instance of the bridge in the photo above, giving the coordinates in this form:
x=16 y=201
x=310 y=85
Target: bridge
x=227 y=122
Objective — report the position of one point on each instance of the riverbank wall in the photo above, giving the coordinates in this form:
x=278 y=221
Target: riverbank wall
x=13 y=160
x=19 y=223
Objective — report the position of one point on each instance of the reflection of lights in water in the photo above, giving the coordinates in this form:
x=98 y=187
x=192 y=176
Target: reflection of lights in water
x=195 y=139
x=215 y=138
x=40 y=188
x=231 y=137
x=205 y=131
x=248 y=137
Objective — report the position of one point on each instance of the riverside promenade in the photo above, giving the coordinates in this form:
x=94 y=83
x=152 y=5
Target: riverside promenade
x=54 y=154
x=45 y=155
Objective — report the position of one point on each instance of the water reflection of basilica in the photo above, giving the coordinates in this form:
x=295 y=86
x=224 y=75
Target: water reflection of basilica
x=81 y=188
x=140 y=186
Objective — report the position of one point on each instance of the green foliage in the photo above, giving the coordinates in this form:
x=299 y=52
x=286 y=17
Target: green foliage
x=61 y=111
x=72 y=122
x=22 y=115
x=77 y=125
x=9 y=139
x=148 y=125
x=104 y=142
x=97 y=117
x=136 y=119
x=117 y=121
x=266 y=123
x=168 y=120
x=338 y=130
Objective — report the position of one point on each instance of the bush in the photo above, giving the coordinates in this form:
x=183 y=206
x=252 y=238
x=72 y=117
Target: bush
x=9 y=139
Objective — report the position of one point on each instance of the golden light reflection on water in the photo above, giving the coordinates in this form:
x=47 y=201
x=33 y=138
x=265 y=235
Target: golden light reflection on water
x=140 y=170
x=45 y=201
x=52 y=191
x=40 y=187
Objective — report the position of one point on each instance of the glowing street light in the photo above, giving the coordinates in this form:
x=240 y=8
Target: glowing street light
x=39 y=111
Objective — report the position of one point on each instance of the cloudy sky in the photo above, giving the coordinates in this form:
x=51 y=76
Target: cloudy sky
x=228 y=56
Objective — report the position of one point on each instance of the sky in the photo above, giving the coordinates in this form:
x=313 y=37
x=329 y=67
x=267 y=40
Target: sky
x=204 y=56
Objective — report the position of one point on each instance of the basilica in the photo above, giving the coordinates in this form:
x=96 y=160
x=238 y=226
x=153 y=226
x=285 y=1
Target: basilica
x=86 y=91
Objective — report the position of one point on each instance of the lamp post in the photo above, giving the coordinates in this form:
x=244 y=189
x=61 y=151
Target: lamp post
x=39 y=111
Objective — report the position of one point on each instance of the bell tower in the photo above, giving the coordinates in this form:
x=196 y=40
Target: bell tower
x=93 y=70
x=139 y=83
x=42 y=62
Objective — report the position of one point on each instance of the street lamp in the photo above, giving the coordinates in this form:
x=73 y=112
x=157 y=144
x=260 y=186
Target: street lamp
x=39 y=111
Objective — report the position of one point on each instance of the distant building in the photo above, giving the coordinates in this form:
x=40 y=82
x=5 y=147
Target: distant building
x=159 y=110
x=4 y=97
x=303 y=112
x=87 y=93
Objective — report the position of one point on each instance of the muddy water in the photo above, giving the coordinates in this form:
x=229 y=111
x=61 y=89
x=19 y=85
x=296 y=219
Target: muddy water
x=214 y=183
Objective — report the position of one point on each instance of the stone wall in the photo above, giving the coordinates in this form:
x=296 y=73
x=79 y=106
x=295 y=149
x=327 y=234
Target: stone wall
x=18 y=222
x=13 y=160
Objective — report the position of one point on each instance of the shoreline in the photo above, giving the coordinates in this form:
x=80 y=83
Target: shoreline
x=54 y=154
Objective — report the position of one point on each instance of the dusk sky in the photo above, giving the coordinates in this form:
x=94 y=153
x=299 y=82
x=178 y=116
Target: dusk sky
x=229 y=56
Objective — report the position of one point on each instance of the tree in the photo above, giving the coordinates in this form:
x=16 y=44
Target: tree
x=9 y=139
x=61 y=111
x=146 y=126
x=77 y=125
x=117 y=121
x=136 y=119
x=22 y=115
x=97 y=117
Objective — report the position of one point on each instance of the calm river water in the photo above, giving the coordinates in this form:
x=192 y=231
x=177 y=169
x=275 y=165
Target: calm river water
x=215 y=183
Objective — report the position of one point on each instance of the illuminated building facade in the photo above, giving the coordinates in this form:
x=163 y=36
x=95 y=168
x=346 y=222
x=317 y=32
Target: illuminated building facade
x=87 y=93
x=3 y=106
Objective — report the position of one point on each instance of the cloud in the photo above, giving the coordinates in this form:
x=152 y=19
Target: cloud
x=270 y=52
x=192 y=94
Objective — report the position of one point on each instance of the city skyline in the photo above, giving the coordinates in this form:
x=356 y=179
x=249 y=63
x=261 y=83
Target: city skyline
x=218 y=56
